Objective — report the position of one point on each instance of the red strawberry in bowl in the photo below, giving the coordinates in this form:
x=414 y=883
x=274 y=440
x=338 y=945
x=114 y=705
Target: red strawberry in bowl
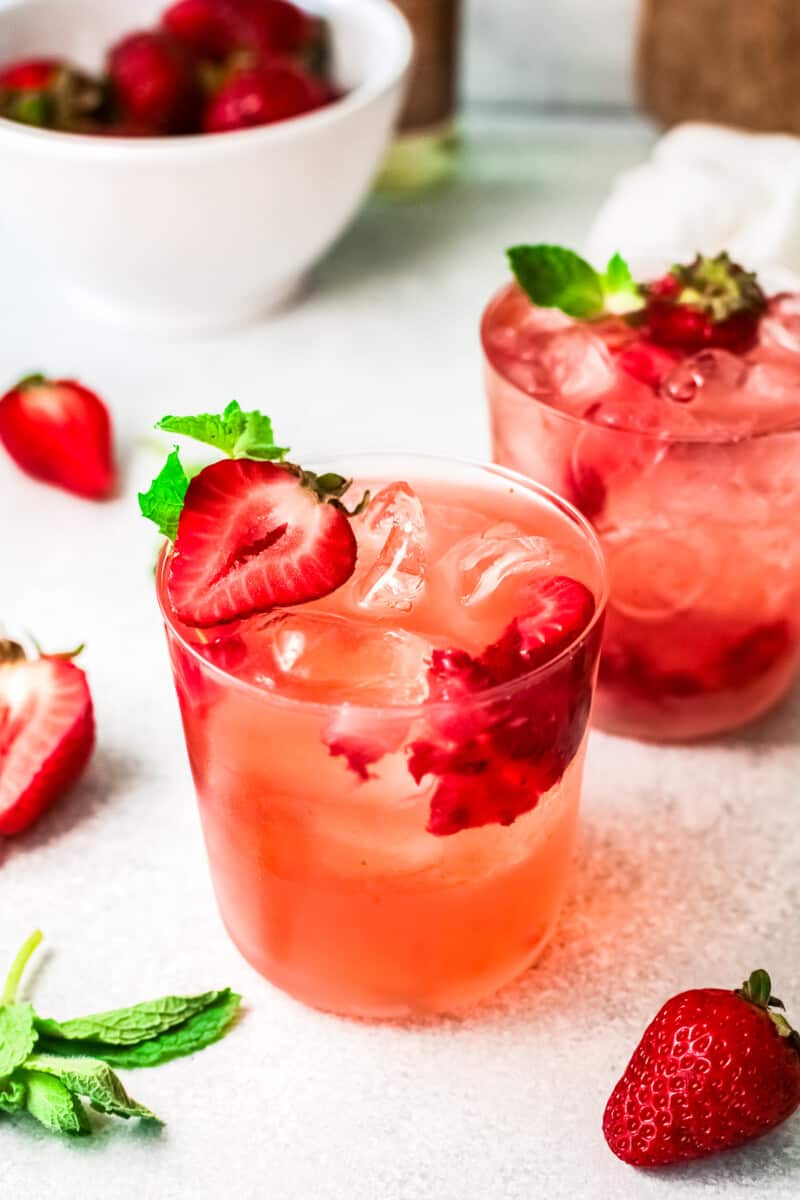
x=263 y=95
x=46 y=733
x=60 y=432
x=714 y=1070
x=254 y=536
x=31 y=74
x=154 y=82
x=218 y=28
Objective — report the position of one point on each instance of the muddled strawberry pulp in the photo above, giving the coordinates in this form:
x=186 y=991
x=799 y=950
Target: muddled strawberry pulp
x=676 y=429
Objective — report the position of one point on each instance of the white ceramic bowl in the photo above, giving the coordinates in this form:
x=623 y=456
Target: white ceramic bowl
x=200 y=232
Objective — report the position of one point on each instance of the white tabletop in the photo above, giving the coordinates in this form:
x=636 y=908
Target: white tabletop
x=688 y=861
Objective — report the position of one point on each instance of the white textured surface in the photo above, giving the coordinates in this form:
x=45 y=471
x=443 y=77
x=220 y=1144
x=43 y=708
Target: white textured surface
x=688 y=865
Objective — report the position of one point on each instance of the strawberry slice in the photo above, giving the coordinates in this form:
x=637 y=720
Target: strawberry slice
x=60 y=432
x=46 y=733
x=254 y=535
x=557 y=611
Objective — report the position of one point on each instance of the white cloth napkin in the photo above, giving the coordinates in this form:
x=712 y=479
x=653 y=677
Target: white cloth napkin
x=707 y=188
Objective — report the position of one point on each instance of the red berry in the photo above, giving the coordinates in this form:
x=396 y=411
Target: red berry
x=557 y=612
x=586 y=488
x=754 y=654
x=60 y=432
x=261 y=96
x=46 y=733
x=252 y=537
x=218 y=28
x=154 y=83
x=714 y=1069
x=647 y=363
x=31 y=74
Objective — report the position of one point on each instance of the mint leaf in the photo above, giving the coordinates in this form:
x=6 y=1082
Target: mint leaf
x=127 y=1026
x=235 y=433
x=620 y=290
x=93 y=1079
x=554 y=277
x=194 y=1034
x=53 y=1105
x=17 y=1036
x=12 y=1094
x=163 y=502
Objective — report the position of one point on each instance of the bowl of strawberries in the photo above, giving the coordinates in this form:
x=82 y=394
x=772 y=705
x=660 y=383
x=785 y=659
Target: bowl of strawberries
x=181 y=166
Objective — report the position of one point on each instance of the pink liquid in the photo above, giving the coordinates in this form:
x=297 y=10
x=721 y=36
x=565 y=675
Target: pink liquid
x=692 y=481
x=325 y=872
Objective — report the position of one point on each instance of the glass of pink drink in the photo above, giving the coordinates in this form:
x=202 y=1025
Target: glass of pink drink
x=388 y=777
x=680 y=441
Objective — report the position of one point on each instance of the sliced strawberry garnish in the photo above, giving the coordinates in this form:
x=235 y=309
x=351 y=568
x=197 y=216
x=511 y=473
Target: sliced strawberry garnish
x=263 y=95
x=46 y=733
x=557 y=612
x=255 y=535
x=711 y=302
x=154 y=82
x=60 y=432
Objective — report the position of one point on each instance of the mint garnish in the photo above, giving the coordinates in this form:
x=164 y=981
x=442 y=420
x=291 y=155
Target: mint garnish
x=237 y=434
x=554 y=277
x=48 y=1067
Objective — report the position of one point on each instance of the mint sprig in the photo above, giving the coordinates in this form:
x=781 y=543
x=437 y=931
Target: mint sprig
x=233 y=432
x=48 y=1068
x=554 y=277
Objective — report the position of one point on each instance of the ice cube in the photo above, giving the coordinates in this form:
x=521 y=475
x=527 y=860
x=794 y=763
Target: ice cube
x=394 y=578
x=484 y=561
x=707 y=378
x=325 y=657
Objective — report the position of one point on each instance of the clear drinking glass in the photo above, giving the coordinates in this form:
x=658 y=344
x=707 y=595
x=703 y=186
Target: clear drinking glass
x=345 y=877
x=694 y=491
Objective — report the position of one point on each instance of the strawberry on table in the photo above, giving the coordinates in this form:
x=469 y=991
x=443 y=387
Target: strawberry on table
x=60 y=432
x=714 y=1070
x=46 y=733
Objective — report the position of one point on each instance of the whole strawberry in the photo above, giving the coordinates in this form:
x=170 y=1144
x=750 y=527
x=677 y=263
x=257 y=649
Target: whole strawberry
x=711 y=303
x=154 y=83
x=60 y=432
x=263 y=95
x=715 y=1069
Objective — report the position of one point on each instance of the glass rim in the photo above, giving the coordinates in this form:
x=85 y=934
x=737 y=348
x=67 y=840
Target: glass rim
x=665 y=438
x=409 y=711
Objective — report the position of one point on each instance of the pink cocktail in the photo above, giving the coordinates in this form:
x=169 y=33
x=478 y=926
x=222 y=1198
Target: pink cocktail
x=388 y=777
x=687 y=461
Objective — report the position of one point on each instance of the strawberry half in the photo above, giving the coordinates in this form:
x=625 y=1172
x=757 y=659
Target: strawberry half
x=255 y=535
x=60 y=432
x=714 y=1069
x=46 y=733
x=556 y=613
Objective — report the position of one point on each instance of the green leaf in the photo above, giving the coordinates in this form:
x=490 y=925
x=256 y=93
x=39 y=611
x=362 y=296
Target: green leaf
x=53 y=1104
x=127 y=1026
x=621 y=292
x=194 y=1034
x=17 y=1036
x=93 y=1079
x=12 y=1093
x=554 y=277
x=235 y=433
x=163 y=502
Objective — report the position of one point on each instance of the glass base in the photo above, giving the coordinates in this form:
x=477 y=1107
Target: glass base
x=420 y=160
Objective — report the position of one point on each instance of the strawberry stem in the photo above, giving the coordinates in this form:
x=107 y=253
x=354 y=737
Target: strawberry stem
x=18 y=966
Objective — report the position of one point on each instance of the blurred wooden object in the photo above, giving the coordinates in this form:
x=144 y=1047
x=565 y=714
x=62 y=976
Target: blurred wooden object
x=732 y=61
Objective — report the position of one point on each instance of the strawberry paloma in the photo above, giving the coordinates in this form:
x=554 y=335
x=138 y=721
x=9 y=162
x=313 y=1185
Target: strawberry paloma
x=669 y=413
x=388 y=774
